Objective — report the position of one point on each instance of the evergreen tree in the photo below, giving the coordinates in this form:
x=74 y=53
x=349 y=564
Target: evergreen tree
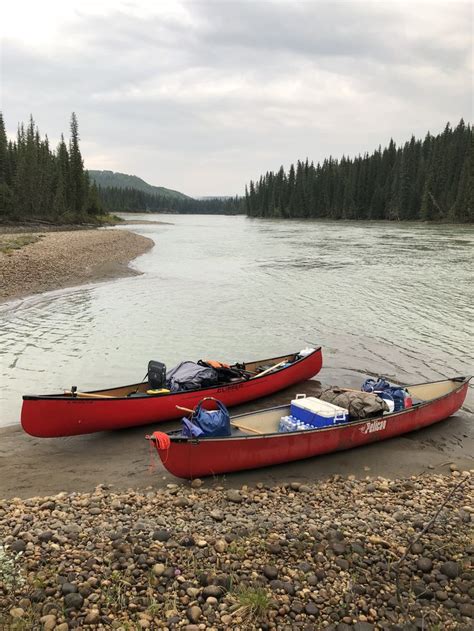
x=429 y=180
x=77 y=183
x=3 y=151
x=37 y=183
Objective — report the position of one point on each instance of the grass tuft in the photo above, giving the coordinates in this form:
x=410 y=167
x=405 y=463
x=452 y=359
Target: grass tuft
x=254 y=602
x=9 y=243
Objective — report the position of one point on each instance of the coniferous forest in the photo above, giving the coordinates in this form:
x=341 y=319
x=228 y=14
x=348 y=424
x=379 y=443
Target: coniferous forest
x=116 y=199
x=428 y=180
x=37 y=183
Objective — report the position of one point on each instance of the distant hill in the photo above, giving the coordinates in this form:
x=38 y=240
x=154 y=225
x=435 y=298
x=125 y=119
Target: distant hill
x=206 y=197
x=109 y=179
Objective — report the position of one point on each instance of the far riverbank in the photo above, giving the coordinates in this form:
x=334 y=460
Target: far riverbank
x=36 y=261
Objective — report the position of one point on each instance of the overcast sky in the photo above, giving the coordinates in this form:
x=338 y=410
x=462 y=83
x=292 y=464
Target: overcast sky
x=203 y=96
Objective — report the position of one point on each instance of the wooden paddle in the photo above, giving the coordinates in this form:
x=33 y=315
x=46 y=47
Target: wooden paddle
x=264 y=372
x=244 y=427
x=82 y=395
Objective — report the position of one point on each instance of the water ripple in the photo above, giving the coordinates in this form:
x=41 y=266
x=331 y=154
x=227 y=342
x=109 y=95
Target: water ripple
x=381 y=298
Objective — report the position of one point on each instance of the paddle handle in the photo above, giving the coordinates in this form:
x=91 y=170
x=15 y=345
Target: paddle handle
x=179 y=407
x=260 y=374
x=246 y=429
x=83 y=395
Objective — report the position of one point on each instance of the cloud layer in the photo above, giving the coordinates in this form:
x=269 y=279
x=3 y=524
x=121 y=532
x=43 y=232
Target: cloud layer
x=202 y=96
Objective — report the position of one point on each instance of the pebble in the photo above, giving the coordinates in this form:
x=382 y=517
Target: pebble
x=73 y=600
x=233 y=495
x=450 y=569
x=194 y=613
x=48 y=622
x=92 y=617
x=17 y=612
x=424 y=564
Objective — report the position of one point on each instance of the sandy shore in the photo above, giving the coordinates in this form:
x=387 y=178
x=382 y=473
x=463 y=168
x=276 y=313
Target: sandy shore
x=57 y=259
x=39 y=466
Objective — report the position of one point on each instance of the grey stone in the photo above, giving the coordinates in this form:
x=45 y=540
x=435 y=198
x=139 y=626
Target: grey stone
x=233 y=495
x=161 y=535
x=73 y=601
x=213 y=590
x=342 y=563
x=217 y=515
x=45 y=536
x=270 y=572
x=424 y=564
x=311 y=609
x=18 y=546
x=68 y=588
x=338 y=547
x=450 y=569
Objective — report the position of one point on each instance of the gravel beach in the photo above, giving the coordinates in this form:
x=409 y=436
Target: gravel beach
x=339 y=554
x=60 y=259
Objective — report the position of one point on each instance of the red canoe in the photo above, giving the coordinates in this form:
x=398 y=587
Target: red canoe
x=258 y=444
x=48 y=416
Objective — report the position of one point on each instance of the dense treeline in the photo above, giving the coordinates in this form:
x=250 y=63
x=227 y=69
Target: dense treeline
x=430 y=180
x=132 y=200
x=38 y=183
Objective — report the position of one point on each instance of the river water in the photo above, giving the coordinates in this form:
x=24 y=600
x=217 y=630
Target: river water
x=381 y=298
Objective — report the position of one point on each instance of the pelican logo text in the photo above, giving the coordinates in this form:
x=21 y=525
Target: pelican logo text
x=374 y=426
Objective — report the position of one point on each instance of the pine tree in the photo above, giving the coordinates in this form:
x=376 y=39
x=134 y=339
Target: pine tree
x=3 y=151
x=76 y=179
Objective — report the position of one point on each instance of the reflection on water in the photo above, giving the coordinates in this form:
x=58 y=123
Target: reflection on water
x=381 y=298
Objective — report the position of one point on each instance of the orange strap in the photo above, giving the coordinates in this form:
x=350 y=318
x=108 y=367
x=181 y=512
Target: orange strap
x=216 y=364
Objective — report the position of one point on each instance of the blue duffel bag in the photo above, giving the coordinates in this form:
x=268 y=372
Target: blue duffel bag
x=208 y=422
x=384 y=390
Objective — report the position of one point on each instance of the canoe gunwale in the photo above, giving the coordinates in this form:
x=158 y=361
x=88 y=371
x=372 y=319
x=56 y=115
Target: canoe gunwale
x=463 y=380
x=63 y=397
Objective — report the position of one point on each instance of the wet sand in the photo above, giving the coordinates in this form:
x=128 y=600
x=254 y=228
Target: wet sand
x=67 y=258
x=31 y=466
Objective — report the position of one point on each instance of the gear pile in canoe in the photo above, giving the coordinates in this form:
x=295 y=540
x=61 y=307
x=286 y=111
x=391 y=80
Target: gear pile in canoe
x=156 y=399
x=306 y=428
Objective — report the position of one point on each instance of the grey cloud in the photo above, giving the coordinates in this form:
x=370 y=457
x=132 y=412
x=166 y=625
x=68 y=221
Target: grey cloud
x=241 y=88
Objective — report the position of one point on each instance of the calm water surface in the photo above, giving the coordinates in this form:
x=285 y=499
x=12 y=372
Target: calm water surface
x=380 y=298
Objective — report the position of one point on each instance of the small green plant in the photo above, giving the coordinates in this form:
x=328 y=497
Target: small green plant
x=9 y=243
x=115 y=593
x=254 y=602
x=154 y=607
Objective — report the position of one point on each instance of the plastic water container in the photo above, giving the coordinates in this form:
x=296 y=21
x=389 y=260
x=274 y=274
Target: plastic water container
x=291 y=424
x=317 y=413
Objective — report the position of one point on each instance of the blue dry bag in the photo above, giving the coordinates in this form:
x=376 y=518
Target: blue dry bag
x=209 y=422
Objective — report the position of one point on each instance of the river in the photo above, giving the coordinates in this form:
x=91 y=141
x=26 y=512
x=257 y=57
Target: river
x=381 y=298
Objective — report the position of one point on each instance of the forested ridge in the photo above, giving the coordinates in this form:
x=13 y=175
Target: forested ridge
x=37 y=183
x=132 y=200
x=111 y=179
x=429 y=180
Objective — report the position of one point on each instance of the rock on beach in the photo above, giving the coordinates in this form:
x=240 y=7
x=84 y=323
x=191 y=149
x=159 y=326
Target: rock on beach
x=67 y=258
x=333 y=556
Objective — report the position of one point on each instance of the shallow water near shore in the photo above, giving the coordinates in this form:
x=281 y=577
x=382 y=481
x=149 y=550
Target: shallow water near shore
x=381 y=298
